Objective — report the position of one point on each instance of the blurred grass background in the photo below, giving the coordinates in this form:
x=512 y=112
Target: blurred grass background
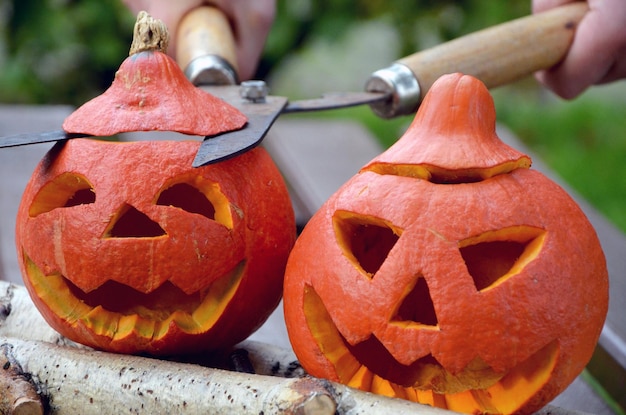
x=66 y=52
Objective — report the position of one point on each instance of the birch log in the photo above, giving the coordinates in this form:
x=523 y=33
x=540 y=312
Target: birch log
x=20 y=319
x=90 y=382
x=18 y=395
x=74 y=379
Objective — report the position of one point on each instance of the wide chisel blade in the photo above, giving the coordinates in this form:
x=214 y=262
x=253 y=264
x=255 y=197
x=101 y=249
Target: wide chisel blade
x=261 y=116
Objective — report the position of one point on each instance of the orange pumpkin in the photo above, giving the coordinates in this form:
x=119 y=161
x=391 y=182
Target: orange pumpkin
x=447 y=272
x=125 y=247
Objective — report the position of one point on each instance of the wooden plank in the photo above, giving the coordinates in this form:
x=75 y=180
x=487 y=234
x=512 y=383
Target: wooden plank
x=317 y=157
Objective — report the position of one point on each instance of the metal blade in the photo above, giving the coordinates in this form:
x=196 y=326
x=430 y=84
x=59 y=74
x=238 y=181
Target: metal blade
x=260 y=115
x=36 y=138
x=337 y=100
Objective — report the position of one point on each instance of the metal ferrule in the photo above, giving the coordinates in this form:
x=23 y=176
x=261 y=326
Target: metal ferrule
x=401 y=84
x=211 y=70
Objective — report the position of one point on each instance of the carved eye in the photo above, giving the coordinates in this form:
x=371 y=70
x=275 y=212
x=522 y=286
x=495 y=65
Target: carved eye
x=366 y=241
x=188 y=198
x=493 y=257
x=65 y=190
x=199 y=197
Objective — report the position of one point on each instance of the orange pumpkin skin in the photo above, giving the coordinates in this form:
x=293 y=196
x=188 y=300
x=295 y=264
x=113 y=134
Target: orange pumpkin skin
x=150 y=93
x=127 y=248
x=477 y=286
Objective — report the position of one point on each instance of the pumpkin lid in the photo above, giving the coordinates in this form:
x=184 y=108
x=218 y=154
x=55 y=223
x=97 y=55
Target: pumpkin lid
x=452 y=138
x=151 y=93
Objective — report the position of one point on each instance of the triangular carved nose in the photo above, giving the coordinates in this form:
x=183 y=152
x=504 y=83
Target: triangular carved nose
x=132 y=223
x=418 y=306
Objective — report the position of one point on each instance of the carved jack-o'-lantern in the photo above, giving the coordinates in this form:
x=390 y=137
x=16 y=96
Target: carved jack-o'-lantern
x=126 y=247
x=447 y=272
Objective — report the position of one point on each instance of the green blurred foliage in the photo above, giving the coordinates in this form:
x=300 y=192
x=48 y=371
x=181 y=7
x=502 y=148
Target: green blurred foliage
x=60 y=51
x=420 y=23
x=583 y=140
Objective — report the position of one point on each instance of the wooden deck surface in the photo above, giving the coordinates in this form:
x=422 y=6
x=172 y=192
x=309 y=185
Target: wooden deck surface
x=316 y=158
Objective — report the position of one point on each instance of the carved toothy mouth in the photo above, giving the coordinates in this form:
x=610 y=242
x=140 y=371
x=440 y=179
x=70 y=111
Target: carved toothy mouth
x=478 y=388
x=115 y=310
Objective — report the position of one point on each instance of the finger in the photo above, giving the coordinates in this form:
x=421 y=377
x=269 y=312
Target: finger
x=597 y=44
x=252 y=30
x=251 y=22
x=617 y=70
x=539 y=6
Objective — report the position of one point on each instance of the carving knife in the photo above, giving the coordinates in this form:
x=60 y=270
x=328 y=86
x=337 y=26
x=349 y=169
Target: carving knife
x=497 y=55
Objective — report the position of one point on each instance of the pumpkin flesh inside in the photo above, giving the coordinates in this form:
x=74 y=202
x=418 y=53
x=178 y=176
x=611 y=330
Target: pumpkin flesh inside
x=115 y=310
x=368 y=366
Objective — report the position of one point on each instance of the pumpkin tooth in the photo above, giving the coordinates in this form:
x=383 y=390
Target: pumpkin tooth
x=382 y=386
x=464 y=402
x=103 y=322
x=183 y=320
x=362 y=379
x=218 y=297
x=132 y=324
x=426 y=397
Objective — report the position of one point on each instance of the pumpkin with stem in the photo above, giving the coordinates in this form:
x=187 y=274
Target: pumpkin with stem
x=125 y=247
x=447 y=271
x=151 y=93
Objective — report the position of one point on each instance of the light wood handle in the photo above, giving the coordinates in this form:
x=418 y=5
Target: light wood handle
x=205 y=31
x=504 y=53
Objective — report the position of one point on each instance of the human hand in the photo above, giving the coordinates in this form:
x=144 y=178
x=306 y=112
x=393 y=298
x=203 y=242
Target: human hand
x=597 y=54
x=251 y=21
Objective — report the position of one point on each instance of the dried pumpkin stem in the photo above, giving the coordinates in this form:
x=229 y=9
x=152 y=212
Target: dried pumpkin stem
x=149 y=34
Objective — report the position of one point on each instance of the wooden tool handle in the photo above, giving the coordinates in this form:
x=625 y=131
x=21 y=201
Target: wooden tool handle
x=205 y=31
x=504 y=53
